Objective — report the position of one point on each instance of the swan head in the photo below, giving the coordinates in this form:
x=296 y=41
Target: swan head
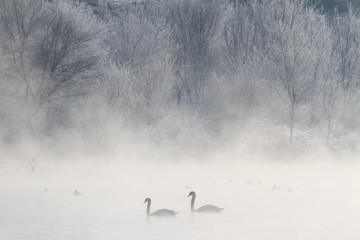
x=192 y=193
x=147 y=200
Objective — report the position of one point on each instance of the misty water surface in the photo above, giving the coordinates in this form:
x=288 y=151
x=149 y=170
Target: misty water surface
x=322 y=203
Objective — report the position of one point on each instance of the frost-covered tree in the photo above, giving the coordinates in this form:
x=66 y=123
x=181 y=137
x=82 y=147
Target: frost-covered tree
x=346 y=44
x=195 y=25
x=289 y=61
x=51 y=49
x=152 y=87
x=143 y=63
x=244 y=35
x=340 y=84
x=330 y=92
x=320 y=40
x=20 y=22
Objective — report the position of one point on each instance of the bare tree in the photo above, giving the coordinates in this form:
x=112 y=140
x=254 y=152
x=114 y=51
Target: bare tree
x=330 y=93
x=244 y=38
x=50 y=47
x=152 y=88
x=320 y=39
x=244 y=34
x=346 y=44
x=195 y=25
x=141 y=76
x=133 y=35
x=290 y=60
x=340 y=84
x=140 y=95
x=67 y=52
x=20 y=21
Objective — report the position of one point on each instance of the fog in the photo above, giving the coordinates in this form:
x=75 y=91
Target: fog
x=253 y=105
x=314 y=198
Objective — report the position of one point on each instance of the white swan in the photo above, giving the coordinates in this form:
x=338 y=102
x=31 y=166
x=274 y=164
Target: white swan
x=206 y=208
x=160 y=212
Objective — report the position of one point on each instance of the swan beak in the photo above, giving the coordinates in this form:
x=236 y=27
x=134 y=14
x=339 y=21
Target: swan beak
x=145 y=201
x=189 y=195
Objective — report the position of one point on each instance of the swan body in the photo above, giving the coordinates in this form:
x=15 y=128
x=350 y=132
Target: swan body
x=207 y=208
x=164 y=212
x=159 y=213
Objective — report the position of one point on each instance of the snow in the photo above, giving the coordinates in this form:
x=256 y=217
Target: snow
x=323 y=203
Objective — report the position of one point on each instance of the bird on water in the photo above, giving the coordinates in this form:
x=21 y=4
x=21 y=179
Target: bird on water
x=207 y=208
x=159 y=213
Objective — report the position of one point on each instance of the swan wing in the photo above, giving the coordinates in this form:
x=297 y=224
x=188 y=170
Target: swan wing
x=209 y=208
x=164 y=213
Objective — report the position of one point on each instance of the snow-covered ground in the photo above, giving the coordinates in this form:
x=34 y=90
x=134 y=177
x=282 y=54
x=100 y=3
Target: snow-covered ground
x=323 y=204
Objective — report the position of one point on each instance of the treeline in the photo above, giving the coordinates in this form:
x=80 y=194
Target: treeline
x=181 y=70
x=329 y=6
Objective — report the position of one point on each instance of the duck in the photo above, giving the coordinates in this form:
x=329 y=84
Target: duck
x=159 y=213
x=207 y=208
x=275 y=187
x=76 y=193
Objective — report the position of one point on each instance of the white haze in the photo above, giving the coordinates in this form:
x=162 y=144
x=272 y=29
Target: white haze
x=323 y=202
x=128 y=137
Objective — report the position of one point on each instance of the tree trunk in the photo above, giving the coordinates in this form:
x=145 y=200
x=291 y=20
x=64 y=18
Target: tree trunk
x=178 y=97
x=292 y=122
x=328 y=130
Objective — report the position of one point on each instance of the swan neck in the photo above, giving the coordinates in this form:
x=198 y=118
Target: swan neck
x=148 y=208
x=192 y=202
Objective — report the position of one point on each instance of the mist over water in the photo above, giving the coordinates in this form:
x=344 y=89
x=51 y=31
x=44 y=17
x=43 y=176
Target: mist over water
x=104 y=104
x=313 y=198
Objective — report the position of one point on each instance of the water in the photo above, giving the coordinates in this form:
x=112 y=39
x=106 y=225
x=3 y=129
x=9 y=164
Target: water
x=323 y=203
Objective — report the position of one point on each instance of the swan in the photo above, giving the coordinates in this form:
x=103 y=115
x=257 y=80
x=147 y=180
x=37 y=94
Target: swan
x=160 y=212
x=206 y=208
